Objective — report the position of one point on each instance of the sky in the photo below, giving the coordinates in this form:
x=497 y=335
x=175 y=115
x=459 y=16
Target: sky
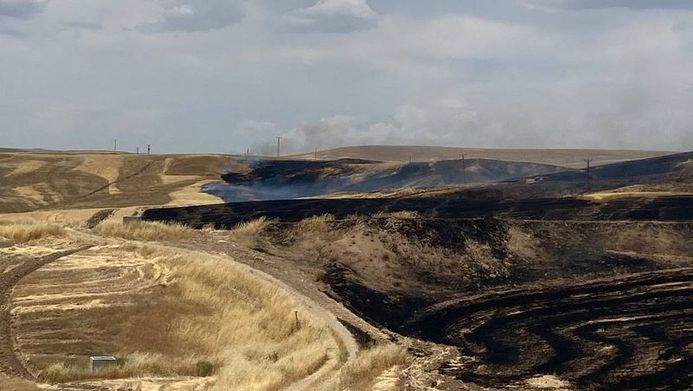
x=223 y=76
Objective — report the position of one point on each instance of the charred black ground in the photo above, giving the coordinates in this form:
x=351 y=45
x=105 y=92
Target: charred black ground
x=282 y=179
x=674 y=208
x=525 y=278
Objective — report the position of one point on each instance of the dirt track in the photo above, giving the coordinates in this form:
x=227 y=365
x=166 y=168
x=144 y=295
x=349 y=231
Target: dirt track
x=10 y=364
x=627 y=333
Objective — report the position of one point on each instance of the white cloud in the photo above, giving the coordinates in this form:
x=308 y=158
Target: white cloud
x=332 y=16
x=195 y=15
x=595 y=4
x=80 y=69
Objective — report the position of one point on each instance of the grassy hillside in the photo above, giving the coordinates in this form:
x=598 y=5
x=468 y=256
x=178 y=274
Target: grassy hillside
x=33 y=180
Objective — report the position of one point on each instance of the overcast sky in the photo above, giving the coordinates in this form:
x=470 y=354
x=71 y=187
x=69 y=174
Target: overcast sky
x=221 y=76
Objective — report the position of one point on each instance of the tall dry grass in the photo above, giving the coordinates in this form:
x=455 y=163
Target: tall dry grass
x=254 y=332
x=22 y=231
x=14 y=384
x=315 y=223
x=149 y=231
x=362 y=373
x=403 y=214
x=248 y=232
x=252 y=227
x=132 y=365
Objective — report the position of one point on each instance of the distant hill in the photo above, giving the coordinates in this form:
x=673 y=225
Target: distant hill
x=277 y=179
x=573 y=158
x=48 y=179
x=675 y=168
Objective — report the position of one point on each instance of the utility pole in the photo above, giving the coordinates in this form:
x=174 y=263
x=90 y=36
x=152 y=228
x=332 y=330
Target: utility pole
x=316 y=153
x=149 y=149
x=587 y=170
x=115 y=145
x=137 y=150
x=247 y=152
x=464 y=170
x=279 y=141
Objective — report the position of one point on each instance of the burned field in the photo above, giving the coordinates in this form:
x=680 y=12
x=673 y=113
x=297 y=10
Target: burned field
x=598 y=295
x=631 y=332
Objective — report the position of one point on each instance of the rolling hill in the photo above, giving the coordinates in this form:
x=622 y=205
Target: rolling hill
x=283 y=179
x=403 y=153
x=31 y=180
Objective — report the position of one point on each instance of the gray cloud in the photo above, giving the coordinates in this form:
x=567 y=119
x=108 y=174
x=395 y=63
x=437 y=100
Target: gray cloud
x=195 y=15
x=332 y=16
x=21 y=9
x=500 y=76
x=630 y=4
x=91 y=26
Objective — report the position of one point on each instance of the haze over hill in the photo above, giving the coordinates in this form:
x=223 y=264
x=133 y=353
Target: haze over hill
x=561 y=157
x=284 y=179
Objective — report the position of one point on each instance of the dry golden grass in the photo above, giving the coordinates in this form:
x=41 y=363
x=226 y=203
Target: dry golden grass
x=14 y=384
x=252 y=227
x=246 y=325
x=212 y=314
x=361 y=373
x=143 y=231
x=315 y=223
x=22 y=231
x=403 y=214
x=248 y=232
x=133 y=366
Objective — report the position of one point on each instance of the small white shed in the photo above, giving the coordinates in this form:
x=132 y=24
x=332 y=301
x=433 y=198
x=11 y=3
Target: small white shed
x=100 y=362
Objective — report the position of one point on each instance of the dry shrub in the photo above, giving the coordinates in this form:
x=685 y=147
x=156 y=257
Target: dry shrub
x=15 y=384
x=23 y=231
x=252 y=227
x=248 y=232
x=403 y=214
x=145 y=230
x=315 y=223
x=361 y=373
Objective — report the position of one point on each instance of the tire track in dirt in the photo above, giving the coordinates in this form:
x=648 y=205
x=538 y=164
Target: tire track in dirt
x=10 y=363
x=623 y=333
